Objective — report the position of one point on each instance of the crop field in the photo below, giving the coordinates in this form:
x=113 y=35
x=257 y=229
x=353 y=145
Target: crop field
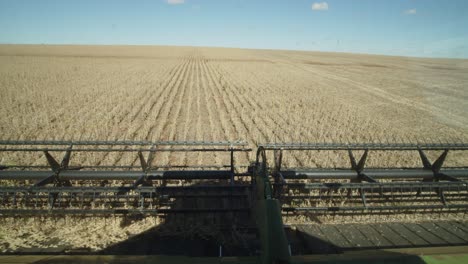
x=213 y=94
x=160 y=93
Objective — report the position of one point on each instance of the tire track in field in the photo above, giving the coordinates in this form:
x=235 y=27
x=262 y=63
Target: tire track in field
x=378 y=92
x=345 y=123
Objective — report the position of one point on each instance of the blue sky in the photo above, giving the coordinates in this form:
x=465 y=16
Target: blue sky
x=427 y=28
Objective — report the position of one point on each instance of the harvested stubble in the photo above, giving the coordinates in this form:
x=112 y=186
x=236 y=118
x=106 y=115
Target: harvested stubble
x=185 y=93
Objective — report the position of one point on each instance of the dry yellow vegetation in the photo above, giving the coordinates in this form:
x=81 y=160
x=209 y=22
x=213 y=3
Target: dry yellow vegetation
x=212 y=94
x=190 y=93
x=185 y=93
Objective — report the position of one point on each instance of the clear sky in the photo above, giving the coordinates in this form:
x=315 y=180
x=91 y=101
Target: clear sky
x=428 y=28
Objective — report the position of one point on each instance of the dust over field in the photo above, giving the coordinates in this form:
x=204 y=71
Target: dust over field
x=213 y=94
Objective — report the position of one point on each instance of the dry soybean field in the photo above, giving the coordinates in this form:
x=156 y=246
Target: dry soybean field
x=162 y=93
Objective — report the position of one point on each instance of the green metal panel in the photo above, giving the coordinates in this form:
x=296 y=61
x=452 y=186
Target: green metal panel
x=269 y=221
x=446 y=259
x=272 y=235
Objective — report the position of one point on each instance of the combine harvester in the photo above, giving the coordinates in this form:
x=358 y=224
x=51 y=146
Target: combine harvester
x=261 y=196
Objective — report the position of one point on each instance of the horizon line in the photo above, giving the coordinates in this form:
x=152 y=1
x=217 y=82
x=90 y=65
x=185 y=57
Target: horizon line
x=231 y=47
